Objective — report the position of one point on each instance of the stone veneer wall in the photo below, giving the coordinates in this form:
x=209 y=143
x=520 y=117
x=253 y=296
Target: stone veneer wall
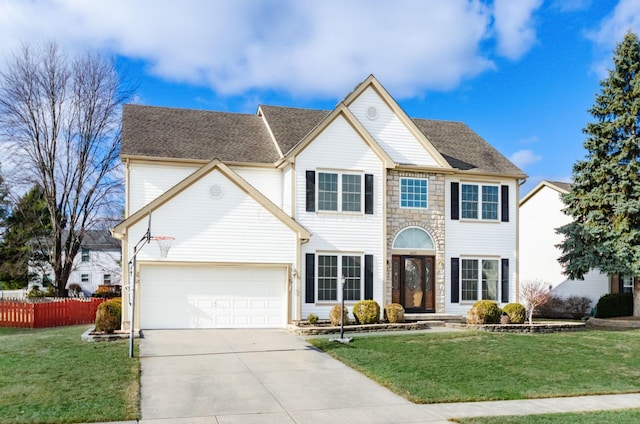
x=431 y=220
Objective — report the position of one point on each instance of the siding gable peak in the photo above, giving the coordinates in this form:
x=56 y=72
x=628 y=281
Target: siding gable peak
x=389 y=124
x=341 y=111
x=120 y=230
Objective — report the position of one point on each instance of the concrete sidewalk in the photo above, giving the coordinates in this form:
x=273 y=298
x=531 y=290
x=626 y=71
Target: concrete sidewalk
x=270 y=376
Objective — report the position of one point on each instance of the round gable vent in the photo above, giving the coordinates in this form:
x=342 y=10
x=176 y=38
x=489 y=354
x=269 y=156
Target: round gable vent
x=372 y=113
x=216 y=192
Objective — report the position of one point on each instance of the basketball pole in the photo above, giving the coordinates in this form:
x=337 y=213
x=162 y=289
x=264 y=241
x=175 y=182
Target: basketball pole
x=146 y=238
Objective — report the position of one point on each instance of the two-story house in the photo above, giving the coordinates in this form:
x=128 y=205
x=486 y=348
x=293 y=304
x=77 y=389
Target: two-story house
x=97 y=263
x=273 y=213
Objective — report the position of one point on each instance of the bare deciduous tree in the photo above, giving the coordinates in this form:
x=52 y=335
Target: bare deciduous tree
x=60 y=115
x=533 y=293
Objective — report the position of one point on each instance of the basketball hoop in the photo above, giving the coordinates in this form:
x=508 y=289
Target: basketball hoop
x=164 y=243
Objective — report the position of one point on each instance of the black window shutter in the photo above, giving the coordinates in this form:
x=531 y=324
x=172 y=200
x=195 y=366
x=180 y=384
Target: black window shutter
x=455 y=201
x=505 y=203
x=505 y=281
x=309 y=275
x=368 y=277
x=455 y=280
x=368 y=194
x=311 y=191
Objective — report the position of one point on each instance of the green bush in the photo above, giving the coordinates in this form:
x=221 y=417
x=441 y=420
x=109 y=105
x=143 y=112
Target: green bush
x=615 y=305
x=50 y=292
x=517 y=313
x=394 y=312
x=334 y=315
x=312 y=319
x=484 y=312
x=108 y=316
x=366 y=312
x=35 y=293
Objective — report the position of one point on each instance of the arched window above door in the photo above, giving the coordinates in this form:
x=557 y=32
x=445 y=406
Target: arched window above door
x=413 y=238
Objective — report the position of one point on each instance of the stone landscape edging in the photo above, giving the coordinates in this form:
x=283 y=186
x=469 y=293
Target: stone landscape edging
x=362 y=328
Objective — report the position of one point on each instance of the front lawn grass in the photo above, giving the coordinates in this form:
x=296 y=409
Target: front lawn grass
x=51 y=376
x=625 y=416
x=476 y=366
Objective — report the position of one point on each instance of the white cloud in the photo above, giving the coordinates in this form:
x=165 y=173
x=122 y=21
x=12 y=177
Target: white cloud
x=625 y=17
x=524 y=158
x=514 y=26
x=319 y=48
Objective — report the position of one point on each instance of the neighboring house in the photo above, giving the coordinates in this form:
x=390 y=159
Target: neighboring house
x=98 y=262
x=271 y=212
x=541 y=213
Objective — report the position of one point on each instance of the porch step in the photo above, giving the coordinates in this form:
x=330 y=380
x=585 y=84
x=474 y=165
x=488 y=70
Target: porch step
x=446 y=318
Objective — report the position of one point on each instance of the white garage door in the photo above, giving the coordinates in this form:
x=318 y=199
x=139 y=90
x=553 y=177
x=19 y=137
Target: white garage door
x=212 y=297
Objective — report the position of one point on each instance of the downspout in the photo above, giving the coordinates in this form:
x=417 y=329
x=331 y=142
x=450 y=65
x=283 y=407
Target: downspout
x=520 y=182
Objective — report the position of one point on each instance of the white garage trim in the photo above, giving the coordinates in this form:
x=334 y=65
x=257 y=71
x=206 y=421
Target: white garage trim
x=206 y=295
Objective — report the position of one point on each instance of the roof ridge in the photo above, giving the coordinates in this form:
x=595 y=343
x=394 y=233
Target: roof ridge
x=168 y=108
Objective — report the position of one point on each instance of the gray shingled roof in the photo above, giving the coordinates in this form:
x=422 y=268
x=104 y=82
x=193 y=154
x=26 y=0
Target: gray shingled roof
x=564 y=186
x=100 y=240
x=464 y=149
x=290 y=125
x=195 y=134
x=232 y=137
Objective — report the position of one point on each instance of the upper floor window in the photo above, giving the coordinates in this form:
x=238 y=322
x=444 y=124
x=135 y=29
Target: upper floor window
x=106 y=279
x=339 y=192
x=479 y=201
x=414 y=193
x=85 y=255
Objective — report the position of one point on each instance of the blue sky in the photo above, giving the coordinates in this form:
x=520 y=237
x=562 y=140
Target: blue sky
x=521 y=73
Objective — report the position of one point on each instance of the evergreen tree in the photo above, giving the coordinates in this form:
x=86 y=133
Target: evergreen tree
x=24 y=245
x=604 y=200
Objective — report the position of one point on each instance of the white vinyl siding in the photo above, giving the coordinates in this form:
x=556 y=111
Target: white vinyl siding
x=540 y=215
x=234 y=228
x=389 y=131
x=149 y=180
x=268 y=181
x=340 y=149
x=465 y=239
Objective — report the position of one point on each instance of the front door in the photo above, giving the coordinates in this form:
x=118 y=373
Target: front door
x=413 y=282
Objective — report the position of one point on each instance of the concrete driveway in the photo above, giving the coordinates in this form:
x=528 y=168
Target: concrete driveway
x=258 y=376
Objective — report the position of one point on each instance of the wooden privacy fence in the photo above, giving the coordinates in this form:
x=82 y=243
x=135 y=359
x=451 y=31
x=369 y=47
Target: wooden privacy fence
x=54 y=312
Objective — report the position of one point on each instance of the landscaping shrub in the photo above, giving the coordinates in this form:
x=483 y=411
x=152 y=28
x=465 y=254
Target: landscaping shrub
x=312 y=319
x=334 y=315
x=394 y=312
x=555 y=307
x=517 y=313
x=578 y=307
x=35 y=293
x=108 y=316
x=366 y=312
x=615 y=305
x=484 y=312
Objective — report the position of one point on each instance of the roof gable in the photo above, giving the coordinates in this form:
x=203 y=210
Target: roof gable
x=560 y=187
x=391 y=126
x=215 y=165
x=342 y=111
